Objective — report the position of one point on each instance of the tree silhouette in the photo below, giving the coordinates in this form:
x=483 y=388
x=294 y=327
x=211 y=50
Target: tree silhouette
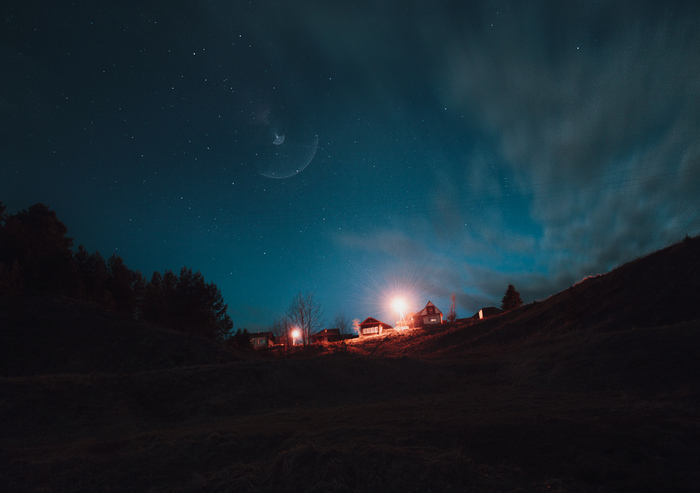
x=341 y=321
x=452 y=314
x=306 y=315
x=125 y=285
x=241 y=339
x=154 y=305
x=37 y=240
x=93 y=276
x=186 y=303
x=11 y=278
x=36 y=254
x=511 y=299
x=12 y=290
x=282 y=328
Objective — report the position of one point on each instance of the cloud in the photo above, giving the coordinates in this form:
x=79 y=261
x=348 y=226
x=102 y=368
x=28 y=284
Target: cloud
x=596 y=114
x=476 y=265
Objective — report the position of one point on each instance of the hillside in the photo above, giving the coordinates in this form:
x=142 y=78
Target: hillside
x=593 y=389
x=659 y=289
x=634 y=324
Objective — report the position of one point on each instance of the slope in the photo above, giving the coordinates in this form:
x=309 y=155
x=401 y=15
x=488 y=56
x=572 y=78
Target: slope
x=636 y=326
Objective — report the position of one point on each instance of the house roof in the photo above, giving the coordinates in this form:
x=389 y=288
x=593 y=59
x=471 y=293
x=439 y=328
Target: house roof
x=373 y=321
x=424 y=311
x=327 y=332
x=488 y=311
x=262 y=334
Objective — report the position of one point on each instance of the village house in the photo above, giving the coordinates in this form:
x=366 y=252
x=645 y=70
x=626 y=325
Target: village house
x=488 y=311
x=260 y=340
x=326 y=335
x=372 y=327
x=430 y=315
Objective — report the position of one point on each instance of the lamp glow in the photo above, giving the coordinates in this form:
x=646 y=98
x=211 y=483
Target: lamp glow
x=399 y=305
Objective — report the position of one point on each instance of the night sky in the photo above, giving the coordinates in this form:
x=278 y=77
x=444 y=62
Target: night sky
x=360 y=149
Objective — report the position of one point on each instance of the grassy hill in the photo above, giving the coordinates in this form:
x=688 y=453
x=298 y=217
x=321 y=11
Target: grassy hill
x=594 y=389
x=632 y=326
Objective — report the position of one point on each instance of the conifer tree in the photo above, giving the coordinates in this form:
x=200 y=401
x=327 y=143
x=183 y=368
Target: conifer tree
x=511 y=299
x=186 y=303
x=37 y=240
x=242 y=339
x=12 y=290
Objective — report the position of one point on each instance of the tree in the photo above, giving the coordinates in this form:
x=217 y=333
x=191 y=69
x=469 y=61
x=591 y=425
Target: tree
x=341 y=321
x=37 y=240
x=511 y=299
x=241 y=339
x=452 y=314
x=93 y=273
x=11 y=279
x=186 y=303
x=306 y=315
x=154 y=305
x=200 y=306
x=282 y=328
x=12 y=289
x=125 y=285
x=356 y=325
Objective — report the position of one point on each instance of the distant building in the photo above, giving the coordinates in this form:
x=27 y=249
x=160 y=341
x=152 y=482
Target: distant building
x=260 y=340
x=372 y=327
x=430 y=315
x=488 y=311
x=326 y=335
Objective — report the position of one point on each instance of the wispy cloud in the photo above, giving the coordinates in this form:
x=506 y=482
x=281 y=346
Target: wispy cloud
x=594 y=111
x=598 y=122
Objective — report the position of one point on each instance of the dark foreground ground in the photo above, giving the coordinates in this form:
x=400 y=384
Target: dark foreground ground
x=347 y=422
x=557 y=396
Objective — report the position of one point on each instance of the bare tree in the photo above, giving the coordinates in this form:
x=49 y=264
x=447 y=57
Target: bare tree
x=341 y=321
x=356 y=326
x=452 y=314
x=306 y=315
x=282 y=328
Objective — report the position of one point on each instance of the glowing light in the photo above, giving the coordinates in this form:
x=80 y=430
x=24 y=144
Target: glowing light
x=387 y=282
x=296 y=334
x=399 y=305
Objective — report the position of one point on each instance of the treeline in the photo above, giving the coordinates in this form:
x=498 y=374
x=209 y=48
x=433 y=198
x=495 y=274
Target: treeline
x=37 y=256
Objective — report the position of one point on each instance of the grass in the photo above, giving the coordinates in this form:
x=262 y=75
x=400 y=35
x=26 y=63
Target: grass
x=457 y=427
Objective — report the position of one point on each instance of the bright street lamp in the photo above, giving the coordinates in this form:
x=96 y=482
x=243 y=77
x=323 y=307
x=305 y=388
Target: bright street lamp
x=296 y=334
x=399 y=306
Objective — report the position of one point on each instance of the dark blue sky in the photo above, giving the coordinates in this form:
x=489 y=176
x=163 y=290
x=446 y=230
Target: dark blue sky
x=454 y=148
